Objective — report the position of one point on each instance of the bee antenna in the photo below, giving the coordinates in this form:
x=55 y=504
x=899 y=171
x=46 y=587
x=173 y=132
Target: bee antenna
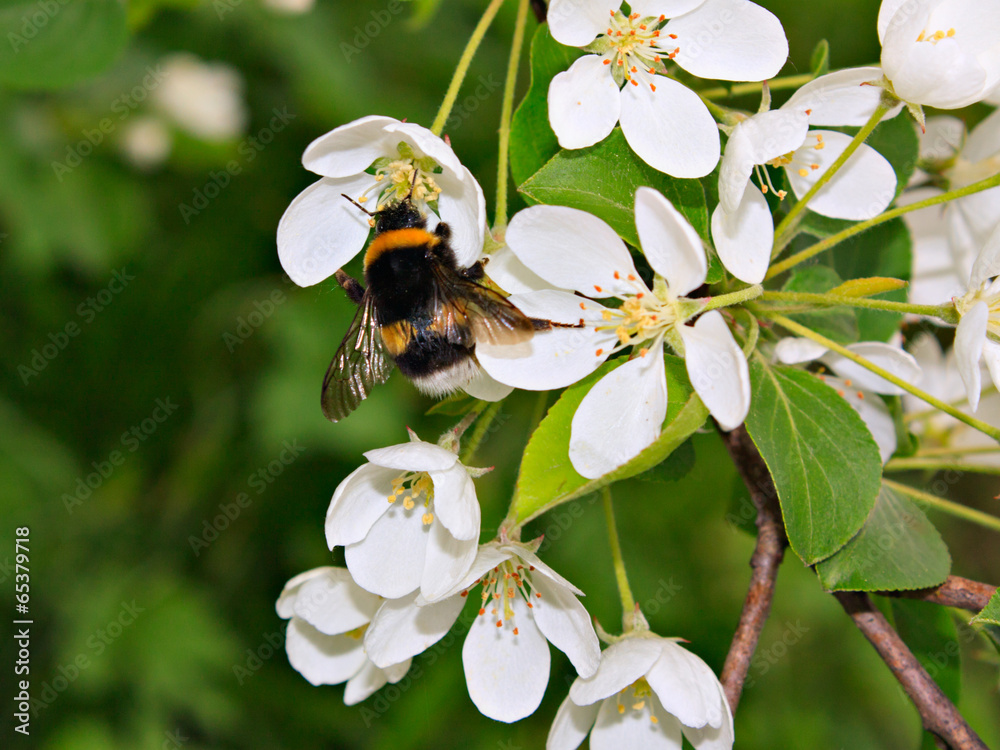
x=351 y=200
x=413 y=185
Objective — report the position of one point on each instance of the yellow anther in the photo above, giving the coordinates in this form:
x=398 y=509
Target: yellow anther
x=427 y=518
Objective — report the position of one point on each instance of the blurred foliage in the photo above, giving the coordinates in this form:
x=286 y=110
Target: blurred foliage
x=115 y=303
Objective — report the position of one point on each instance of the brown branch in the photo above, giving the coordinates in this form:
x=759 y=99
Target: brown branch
x=954 y=592
x=938 y=714
x=764 y=563
x=540 y=10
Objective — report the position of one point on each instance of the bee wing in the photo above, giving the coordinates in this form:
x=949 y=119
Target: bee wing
x=359 y=364
x=467 y=312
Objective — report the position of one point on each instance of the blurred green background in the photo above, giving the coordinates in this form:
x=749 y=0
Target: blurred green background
x=186 y=384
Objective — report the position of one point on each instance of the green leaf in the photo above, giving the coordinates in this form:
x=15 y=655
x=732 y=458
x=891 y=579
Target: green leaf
x=932 y=635
x=56 y=44
x=547 y=478
x=675 y=466
x=991 y=612
x=884 y=250
x=897 y=549
x=532 y=142
x=602 y=179
x=824 y=462
x=837 y=323
x=819 y=61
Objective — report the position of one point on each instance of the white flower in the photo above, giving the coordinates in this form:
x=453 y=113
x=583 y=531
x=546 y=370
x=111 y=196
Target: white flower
x=409 y=520
x=290 y=7
x=329 y=614
x=664 y=122
x=979 y=322
x=857 y=385
x=146 y=142
x=386 y=160
x=624 y=411
x=943 y=380
x=941 y=53
x=206 y=99
x=647 y=693
x=523 y=603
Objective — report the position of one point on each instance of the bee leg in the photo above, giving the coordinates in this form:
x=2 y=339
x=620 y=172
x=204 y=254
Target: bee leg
x=541 y=324
x=475 y=272
x=443 y=231
x=354 y=290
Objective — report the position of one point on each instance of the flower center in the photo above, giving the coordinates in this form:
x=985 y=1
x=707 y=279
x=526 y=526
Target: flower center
x=642 y=317
x=966 y=172
x=639 y=700
x=402 y=177
x=632 y=46
x=414 y=487
x=506 y=581
x=936 y=36
x=799 y=159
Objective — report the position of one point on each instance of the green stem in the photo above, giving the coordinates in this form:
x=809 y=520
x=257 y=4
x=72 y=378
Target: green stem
x=775 y=84
x=733 y=298
x=793 y=215
x=922 y=464
x=944 y=312
x=946 y=506
x=482 y=427
x=628 y=601
x=463 y=65
x=836 y=239
x=801 y=330
x=933 y=452
x=507 y=111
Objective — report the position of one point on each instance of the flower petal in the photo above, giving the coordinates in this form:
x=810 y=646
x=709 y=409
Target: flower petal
x=572 y=249
x=584 y=103
x=861 y=189
x=333 y=603
x=670 y=129
x=743 y=239
x=872 y=411
x=668 y=8
x=669 y=242
x=635 y=728
x=751 y=45
x=576 y=23
x=351 y=148
x=322 y=659
x=970 y=337
x=622 y=663
x=571 y=725
x=413 y=456
x=775 y=133
x=320 y=231
x=792 y=351
x=455 y=503
x=389 y=561
x=506 y=673
x=529 y=558
x=686 y=687
x=358 y=502
x=842 y=98
x=401 y=629
x=707 y=738
x=620 y=416
x=285 y=605
x=488 y=556
x=486 y=388
x=717 y=369
x=736 y=168
x=555 y=358
x=987 y=264
x=566 y=625
x=424 y=143
x=888 y=357
x=510 y=274
x=463 y=206
x=446 y=563
x=364 y=683
x=991 y=356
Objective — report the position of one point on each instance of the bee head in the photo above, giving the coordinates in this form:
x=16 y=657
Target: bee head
x=402 y=215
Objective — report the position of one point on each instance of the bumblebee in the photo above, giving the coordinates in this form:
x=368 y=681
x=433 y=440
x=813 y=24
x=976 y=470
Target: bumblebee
x=418 y=311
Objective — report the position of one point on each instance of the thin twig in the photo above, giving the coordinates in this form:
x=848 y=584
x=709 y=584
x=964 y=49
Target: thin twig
x=540 y=10
x=938 y=714
x=764 y=563
x=954 y=592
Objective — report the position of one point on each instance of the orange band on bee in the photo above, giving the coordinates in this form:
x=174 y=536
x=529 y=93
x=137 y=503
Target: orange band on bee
x=397 y=238
x=397 y=336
